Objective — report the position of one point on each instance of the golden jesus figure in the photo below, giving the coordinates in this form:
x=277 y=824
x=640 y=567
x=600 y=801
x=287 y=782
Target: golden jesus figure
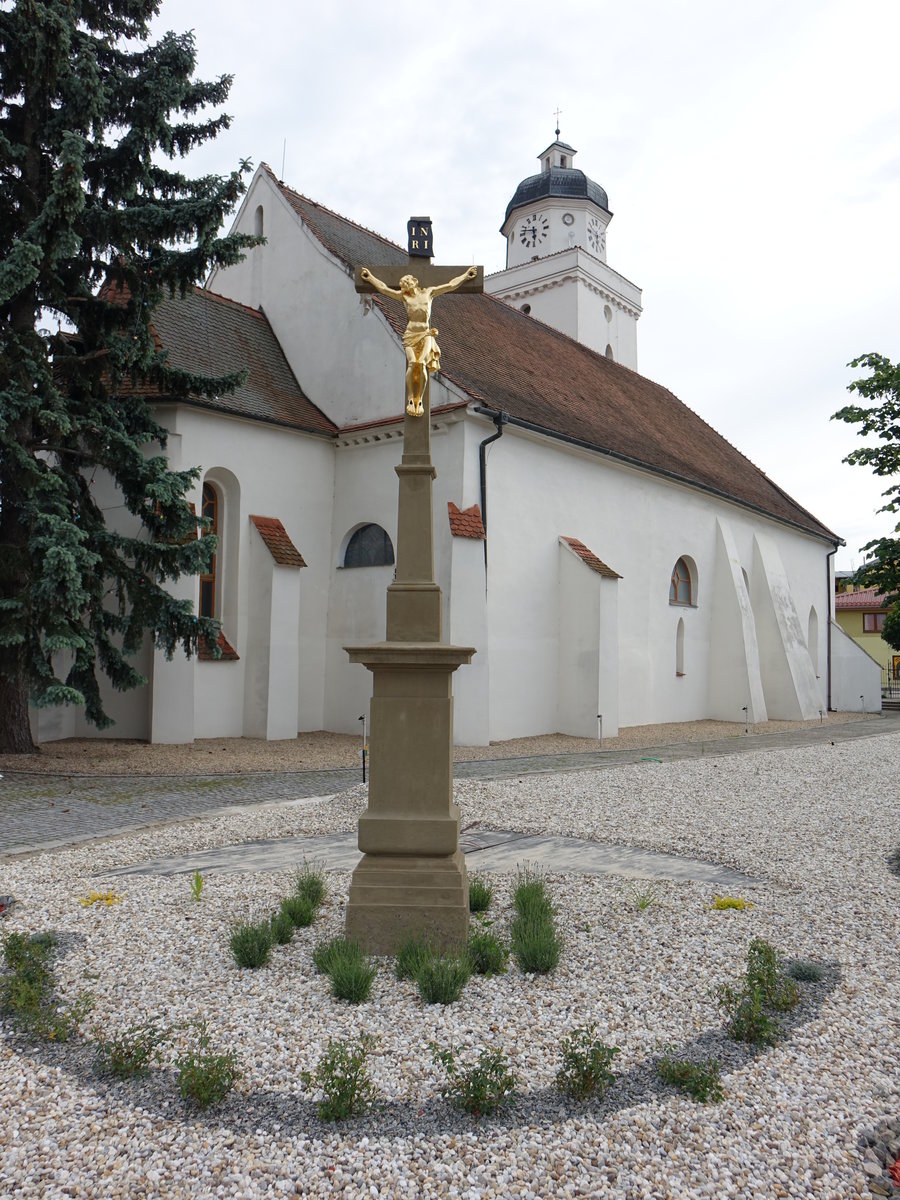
x=423 y=355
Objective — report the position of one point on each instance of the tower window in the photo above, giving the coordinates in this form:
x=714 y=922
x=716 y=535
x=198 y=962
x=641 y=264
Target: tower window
x=563 y=161
x=526 y=309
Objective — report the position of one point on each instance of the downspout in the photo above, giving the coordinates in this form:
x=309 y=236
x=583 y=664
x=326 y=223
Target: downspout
x=500 y=418
x=829 y=588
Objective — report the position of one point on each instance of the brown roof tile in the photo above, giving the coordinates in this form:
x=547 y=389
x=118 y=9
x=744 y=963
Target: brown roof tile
x=229 y=654
x=865 y=598
x=589 y=558
x=279 y=545
x=208 y=334
x=546 y=381
x=465 y=522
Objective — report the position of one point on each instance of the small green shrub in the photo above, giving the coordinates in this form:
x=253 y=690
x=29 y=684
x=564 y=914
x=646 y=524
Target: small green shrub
x=251 y=944
x=197 y=882
x=205 y=1078
x=723 y=903
x=27 y=989
x=413 y=954
x=699 y=1079
x=764 y=989
x=299 y=910
x=764 y=971
x=343 y=1078
x=325 y=954
x=585 y=1064
x=480 y=895
x=487 y=954
x=804 y=971
x=530 y=895
x=310 y=884
x=536 y=946
x=441 y=979
x=351 y=978
x=130 y=1054
x=484 y=1088
x=282 y=927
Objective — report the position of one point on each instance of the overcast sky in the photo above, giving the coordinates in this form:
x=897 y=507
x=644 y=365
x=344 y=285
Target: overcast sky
x=750 y=150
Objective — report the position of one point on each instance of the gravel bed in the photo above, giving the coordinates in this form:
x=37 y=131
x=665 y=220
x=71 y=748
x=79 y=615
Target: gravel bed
x=816 y=825
x=323 y=751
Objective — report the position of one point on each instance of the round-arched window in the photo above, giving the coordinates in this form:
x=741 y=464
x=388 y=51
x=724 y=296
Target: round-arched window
x=369 y=546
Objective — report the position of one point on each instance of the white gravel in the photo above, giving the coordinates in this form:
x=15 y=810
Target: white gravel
x=816 y=824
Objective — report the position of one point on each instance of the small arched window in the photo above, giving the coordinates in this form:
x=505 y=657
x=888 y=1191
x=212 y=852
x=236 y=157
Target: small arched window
x=609 y=352
x=369 y=546
x=209 y=510
x=259 y=221
x=681 y=585
x=679 y=648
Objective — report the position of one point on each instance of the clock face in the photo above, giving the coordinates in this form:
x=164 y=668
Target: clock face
x=596 y=236
x=534 y=230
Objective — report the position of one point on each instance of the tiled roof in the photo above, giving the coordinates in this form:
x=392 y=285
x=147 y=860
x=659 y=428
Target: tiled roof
x=229 y=654
x=589 y=558
x=465 y=522
x=207 y=334
x=865 y=598
x=546 y=381
x=279 y=545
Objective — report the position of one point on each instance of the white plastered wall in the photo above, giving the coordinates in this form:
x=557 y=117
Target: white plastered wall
x=856 y=676
x=588 y=667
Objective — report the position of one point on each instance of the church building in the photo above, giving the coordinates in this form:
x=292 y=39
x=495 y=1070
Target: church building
x=613 y=560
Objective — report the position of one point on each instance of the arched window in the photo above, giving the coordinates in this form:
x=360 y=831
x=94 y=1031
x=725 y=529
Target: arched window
x=209 y=510
x=812 y=639
x=681 y=585
x=609 y=352
x=369 y=546
x=679 y=648
x=258 y=221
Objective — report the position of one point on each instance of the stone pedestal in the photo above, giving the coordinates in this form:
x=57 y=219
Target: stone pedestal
x=412 y=879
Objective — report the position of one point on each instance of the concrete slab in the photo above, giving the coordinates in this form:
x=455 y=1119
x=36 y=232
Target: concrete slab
x=485 y=850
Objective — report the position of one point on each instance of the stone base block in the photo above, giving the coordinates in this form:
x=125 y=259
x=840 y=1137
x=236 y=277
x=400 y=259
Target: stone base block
x=393 y=898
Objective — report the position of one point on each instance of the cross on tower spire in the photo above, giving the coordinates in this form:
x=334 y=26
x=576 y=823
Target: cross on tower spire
x=557 y=115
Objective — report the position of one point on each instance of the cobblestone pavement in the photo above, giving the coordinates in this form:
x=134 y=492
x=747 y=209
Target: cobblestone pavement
x=45 y=812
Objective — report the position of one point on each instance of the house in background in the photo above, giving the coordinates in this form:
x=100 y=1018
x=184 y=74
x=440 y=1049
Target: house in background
x=608 y=554
x=860 y=612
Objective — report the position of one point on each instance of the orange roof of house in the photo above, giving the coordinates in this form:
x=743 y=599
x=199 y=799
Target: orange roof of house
x=864 y=598
x=277 y=541
x=465 y=522
x=547 y=382
x=589 y=558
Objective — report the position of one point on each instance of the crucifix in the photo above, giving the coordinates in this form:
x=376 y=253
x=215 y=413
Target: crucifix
x=412 y=877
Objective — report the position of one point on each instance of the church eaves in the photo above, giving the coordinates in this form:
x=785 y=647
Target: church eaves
x=551 y=384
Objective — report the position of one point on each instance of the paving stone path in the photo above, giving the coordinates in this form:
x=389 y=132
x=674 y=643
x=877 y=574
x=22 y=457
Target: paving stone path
x=45 y=812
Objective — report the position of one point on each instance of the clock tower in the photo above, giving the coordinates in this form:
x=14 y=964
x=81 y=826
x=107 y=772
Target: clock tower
x=556 y=268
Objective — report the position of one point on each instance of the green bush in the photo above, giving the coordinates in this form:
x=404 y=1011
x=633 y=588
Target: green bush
x=326 y=953
x=342 y=1075
x=310 y=884
x=251 y=944
x=413 y=954
x=484 y=1088
x=282 y=927
x=765 y=989
x=764 y=971
x=585 y=1064
x=486 y=953
x=299 y=910
x=530 y=895
x=131 y=1053
x=27 y=989
x=804 y=971
x=205 y=1078
x=480 y=895
x=699 y=1079
x=536 y=946
x=441 y=979
x=351 y=978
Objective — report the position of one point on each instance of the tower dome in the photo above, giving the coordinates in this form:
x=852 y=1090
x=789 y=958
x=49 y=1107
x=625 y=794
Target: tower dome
x=557 y=179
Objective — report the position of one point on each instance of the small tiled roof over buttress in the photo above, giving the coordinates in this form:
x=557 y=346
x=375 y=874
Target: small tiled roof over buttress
x=589 y=558
x=209 y=335
x=547 y=382
x=277 y=541
x=466 y=522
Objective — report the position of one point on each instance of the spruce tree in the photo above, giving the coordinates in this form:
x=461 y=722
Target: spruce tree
x=97 y=225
